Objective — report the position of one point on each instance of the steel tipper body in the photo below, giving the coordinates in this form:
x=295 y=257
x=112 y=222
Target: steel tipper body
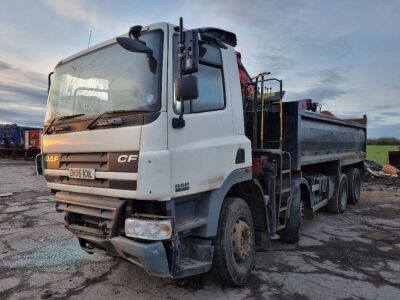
x=328 y=152
x=313 y=138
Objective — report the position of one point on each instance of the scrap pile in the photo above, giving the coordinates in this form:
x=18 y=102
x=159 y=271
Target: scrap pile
x=377 y=170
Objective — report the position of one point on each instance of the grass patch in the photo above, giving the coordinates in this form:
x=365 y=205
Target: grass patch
x=379 y=153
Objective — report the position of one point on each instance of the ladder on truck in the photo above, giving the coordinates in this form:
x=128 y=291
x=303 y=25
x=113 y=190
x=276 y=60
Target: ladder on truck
x=284 y=190
x=264 y=111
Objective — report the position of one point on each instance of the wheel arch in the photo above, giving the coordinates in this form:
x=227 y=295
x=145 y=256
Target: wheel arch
x=301 y=185
x=237 y=184
x=252 y=192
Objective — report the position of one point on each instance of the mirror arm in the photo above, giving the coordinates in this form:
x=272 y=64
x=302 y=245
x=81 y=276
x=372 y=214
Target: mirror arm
x=49 y=82
x=180 y=121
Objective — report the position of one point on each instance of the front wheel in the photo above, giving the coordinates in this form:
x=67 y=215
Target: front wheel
x=234 y=249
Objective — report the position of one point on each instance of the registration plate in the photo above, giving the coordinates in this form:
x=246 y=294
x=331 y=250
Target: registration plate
x=81 y=173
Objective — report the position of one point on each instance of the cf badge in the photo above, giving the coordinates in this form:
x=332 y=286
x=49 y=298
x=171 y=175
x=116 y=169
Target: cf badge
x=124 y=158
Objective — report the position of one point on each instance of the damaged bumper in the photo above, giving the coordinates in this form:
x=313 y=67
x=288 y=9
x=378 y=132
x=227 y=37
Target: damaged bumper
x=96 y=221
x=98 y=224
x=149 y=256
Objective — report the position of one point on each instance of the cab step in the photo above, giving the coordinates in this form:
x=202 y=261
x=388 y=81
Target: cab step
x=186 y=224
x=285 y=191
x=275 y=236
x=190 y=267
x=280 y=227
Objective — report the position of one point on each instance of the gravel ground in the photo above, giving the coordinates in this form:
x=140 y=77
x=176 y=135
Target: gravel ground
x=354 y=255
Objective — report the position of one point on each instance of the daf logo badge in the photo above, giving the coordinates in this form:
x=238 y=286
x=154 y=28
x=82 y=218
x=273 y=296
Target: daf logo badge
x=51 y=158
x=124 y=158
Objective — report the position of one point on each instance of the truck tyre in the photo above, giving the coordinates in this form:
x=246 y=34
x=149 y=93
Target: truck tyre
x=234 y=249
x=338 y=204
x=291 y=232
x=354 y=185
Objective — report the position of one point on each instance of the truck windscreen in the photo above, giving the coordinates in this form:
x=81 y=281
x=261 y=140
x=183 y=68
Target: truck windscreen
x=108 y=79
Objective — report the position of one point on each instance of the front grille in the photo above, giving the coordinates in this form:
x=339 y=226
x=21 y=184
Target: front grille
x=97 y=161
x=57 y=166
x=90 y=215
x=100 y=161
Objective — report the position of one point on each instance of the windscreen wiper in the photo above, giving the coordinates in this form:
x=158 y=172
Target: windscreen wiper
x=61 y=118
x=113 y=112
x=69 y=117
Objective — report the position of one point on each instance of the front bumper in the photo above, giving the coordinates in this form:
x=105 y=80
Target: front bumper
x=97 y=221
x=151 y=257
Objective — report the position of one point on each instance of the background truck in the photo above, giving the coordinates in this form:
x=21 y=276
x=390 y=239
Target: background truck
x=17 y=141
x=161 y=149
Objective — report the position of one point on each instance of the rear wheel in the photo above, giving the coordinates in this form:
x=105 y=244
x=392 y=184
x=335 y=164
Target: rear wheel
x=354 y=185
x=338 y=204
x=234 y=246
x=291 y=232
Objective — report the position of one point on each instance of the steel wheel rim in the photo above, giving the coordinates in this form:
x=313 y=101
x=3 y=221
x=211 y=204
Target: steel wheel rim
x=242 y=241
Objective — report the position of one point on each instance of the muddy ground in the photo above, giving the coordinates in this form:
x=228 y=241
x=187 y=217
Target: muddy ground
x=354 y=255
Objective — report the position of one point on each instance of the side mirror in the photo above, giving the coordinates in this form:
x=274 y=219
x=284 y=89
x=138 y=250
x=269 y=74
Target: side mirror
x=186 y=88
x=188 y=62
x=39 y=164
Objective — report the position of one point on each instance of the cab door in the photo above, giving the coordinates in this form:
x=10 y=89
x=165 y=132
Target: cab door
x=203 y=152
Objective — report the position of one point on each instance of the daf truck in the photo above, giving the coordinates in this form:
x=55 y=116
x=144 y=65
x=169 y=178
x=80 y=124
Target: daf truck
x=160 y=148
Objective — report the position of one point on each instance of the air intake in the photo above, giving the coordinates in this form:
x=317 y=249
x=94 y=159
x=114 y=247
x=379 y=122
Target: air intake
x=223 y=35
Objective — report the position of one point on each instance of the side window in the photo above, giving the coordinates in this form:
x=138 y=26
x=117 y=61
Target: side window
x=210 y=83
x=211 y=91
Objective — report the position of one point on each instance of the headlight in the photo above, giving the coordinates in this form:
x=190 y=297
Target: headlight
x=148 y=229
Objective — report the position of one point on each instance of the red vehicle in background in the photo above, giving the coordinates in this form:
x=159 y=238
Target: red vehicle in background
x=32 y=142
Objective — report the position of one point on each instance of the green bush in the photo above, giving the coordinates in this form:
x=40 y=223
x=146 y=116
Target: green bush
x=384 y=141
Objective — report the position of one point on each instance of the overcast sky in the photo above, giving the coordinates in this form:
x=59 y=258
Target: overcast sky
x=344 y=54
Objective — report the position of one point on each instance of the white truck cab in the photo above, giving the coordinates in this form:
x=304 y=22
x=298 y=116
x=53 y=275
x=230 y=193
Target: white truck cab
x=110 y=149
